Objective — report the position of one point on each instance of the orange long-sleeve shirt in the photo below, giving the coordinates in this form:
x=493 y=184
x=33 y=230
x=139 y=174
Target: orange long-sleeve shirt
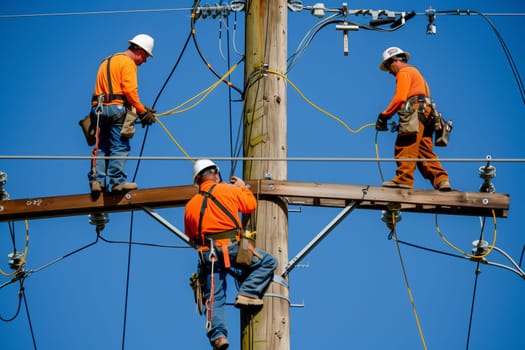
x=123 y=72
x=409 y=82
x=235 y=199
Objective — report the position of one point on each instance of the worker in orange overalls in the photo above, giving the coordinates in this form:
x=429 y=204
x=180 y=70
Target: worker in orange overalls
x=411 y=92
x=211 y=222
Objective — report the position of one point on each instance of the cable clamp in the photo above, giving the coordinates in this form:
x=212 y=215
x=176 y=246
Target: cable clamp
x=280 y=296
x=280 y=280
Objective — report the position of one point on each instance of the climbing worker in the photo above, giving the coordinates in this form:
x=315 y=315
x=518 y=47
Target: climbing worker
x=414 y=140
x=211 y=221
x=115 y=94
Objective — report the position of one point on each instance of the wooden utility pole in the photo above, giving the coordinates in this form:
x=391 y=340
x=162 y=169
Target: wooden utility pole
x=265 y=128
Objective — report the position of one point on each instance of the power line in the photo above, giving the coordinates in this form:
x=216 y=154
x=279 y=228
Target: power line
x=90 y=13
x=283 y=159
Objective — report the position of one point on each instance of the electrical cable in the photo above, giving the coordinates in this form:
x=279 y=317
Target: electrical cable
x=230 y=102
x=22 y=261
x=405 y=276
x=517 y=271
x=128 y=273
x=521 y=256
x=504 y=46
x=312 y=32
x=283 y=159
x=29 y=320
x=431 y=250
x=377 y=157
x=473 y=256
x=201 y=55
x=201 y=95
x=11 y=226
x=474 y=290
x=90 y=13
x=54 y=261
x=235 y=35
x=20 y=292
x=154 y=245
x=172 y=70
x=155 y=102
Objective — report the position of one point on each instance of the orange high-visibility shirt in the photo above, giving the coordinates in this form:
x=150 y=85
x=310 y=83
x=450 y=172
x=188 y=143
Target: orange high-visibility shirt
x=235 y=199
x=409 y=82
x=123 y=72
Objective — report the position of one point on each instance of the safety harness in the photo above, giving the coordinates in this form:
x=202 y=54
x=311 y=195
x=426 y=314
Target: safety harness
x=220 y=239
x=209 y=241
x=111 y=97
x=100 y=99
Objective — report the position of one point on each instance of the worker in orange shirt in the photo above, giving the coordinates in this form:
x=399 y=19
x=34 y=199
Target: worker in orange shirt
x=211 y=221
x=412 y=93
x=116 y=91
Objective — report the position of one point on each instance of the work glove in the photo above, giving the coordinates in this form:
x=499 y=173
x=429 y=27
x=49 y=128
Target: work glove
x=381 y=123
x=147 y=117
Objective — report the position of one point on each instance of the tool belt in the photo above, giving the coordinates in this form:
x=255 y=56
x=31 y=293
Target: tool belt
x=230 y=235
x=422 y=102
x=110 y=98
x=197 y=284
x=221 y=240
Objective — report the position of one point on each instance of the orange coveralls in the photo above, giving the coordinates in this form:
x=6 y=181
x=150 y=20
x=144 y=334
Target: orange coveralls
x=235 y=199
x=123 y=78
x=410 y=82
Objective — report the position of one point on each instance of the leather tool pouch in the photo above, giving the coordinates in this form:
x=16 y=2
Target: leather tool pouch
x=128 y=125
x=245 y=250
x=87 y=129
x=197 y=284
x=408 y=122
x=442 y=128
x=442 y=131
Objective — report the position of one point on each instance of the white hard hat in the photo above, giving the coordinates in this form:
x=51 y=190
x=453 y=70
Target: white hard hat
x=200 y=165
x=392 y=52
x=145 y=42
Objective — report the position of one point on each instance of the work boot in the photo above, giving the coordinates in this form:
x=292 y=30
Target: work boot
x=243 y=301
x=444 y=186
x=96 y=187
x=393 y=184
x=220 y=343
x=125 y=186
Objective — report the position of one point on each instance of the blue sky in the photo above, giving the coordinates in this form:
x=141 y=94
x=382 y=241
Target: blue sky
x=351 y=285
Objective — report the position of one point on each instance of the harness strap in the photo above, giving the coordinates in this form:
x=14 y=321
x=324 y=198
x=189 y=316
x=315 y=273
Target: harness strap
x=111 y=96
x=223 y=244
x=221 y=239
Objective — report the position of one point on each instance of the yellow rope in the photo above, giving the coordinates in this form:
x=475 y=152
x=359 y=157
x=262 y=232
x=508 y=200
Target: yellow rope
x=23 y=261
x=463 y=252
x=203 y=94
x=420 y=329
x=317 y=107
x=179 y=109
x=173 y=139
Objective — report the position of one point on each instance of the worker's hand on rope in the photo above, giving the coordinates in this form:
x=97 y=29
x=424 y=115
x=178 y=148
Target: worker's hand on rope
x=147 y=117
x=381 y=123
